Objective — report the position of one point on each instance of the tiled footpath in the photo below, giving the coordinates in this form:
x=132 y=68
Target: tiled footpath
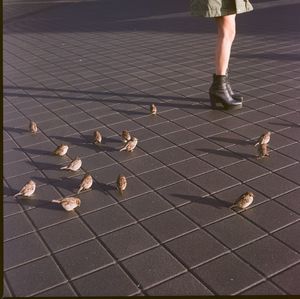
x=78 y=66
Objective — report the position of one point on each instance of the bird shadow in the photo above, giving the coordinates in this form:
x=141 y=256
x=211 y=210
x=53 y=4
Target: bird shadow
x=32 y=151
x=231 y=140
x=106 y=188
x=207 y=200
x=44 y=165
x=227 y=153
x=16 y=130
x=132 y=112
x=69 y=140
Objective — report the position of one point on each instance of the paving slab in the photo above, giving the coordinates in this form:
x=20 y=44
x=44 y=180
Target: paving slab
x=77 y=66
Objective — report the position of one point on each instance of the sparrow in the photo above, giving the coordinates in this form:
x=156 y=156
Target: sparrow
x=263 y=139
x=97 y=137
x=130 y=145
x=121 y=183
x=61 y=150
x=263 y=151
x=68 y=203
x=153 y=109
x=27 y=190
x=73 y=165
x=244 y=201
x=33 y=127
x=125 y=136
x=86 y=183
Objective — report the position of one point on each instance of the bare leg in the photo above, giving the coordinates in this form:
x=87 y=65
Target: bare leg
x=226 y=35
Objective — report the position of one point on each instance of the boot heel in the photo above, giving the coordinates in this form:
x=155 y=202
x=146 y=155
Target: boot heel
x=213 y=101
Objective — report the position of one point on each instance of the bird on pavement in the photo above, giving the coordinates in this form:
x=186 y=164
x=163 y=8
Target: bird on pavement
x=244 y=201
x=27 y=190
x=130 y=145
x=73 y=165
x=68 y=203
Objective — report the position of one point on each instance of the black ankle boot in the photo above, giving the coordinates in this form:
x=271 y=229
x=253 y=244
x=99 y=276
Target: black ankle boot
x=234 y=95
x=218 y=93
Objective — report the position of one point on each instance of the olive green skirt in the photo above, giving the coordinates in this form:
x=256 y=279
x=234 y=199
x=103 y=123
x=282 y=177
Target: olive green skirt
x=218 y=8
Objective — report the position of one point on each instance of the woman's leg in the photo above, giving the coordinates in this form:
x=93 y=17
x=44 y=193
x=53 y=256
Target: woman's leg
x=219 y=91
x=226 y=35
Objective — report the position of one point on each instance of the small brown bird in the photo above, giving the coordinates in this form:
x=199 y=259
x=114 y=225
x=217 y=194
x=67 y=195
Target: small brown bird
x=61 y=150
x=121 y=183
x=73 y=165
x=130 y=145
x=263 y=151
x=27 y=190
x=86 y=183
x=263 y=139
x=153 y=109
x=244 y=201
x=68 y=203
x=33 y=127
x=97 y=137
x=125 y=136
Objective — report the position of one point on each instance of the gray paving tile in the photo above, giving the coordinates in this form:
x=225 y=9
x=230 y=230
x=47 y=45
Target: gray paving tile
x=153 y=266
x=161 y=177
x=66 y=234
x=245 y=170
x=208 y=129
x=182 y=136
x=108 y=219
x=189 y=121
x=64 y=290
x=15 y=226
x=11 y=207
x=6 y=291
x=290 y=200
x=272 y=185
x=14 y=155
x=155 y=144
x=279 y=216
x=291 y=173
x=221 y=158
x=235 y=231
x=214 y=181
x=192 y=167
x=22 y=250
x=276 y=161
x=182 y=193
x=18 y=168
x=200 y=147
x=172 y=155
x=169 y=225
x=288 y=235
x=190 y=250
x=288 y=280
x=291 y=151
x=182 y=285
x=111 y=281
x=146 y=205
x=34 y=277
x=92 y=253
x=227 y=274
x=142 y=164
x=268 y=255
x=134 y=236
x=264 y=288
